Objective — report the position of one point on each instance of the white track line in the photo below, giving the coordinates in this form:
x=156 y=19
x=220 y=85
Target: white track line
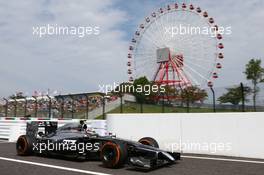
x=53 y=166
x=223 y=159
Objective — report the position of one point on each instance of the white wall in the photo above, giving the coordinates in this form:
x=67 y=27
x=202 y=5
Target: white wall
x=230 y=134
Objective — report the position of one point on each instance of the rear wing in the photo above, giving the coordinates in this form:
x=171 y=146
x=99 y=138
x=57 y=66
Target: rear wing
x=36 y=128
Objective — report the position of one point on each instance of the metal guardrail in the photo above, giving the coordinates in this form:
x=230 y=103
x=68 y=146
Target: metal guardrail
x=4 y=131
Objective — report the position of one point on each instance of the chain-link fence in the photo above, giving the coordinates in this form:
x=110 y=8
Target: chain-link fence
x=62 y=106
x=236 y=98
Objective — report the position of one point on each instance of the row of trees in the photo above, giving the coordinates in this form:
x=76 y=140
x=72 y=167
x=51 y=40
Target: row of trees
x=190 y=94
x=234 y=95
x=255 y=73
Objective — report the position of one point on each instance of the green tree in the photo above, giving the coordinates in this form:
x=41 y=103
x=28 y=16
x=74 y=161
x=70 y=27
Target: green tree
x=171 y=91
x=123 y=88
x=255 y=73
x=139 y=92
x=193 y=94
x=234 y=95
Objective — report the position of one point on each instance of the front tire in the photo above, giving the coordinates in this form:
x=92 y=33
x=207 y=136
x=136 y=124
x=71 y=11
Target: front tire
x=24 y=146
x=149 y=141
x=113 y=155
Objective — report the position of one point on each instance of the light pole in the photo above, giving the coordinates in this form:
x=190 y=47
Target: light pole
x=103 y=103
x=61 y=105
x=49 y=105
x=121 y=103
x=242 y=96
x=213 y=92
x=6 y=107
x=15 y=110
x=87 y=106
x=163 y=103
x=72 y=106
x=25 y=107
x=36 y=106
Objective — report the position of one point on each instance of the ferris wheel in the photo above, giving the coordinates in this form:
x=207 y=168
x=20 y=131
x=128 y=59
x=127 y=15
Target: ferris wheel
x=179 y=59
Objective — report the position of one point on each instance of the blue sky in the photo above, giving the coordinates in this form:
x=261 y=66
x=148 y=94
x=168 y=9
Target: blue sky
x=71 y=64
x=137 y=10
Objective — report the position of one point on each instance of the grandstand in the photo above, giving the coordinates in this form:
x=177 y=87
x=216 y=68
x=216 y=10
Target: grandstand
x=60 y=106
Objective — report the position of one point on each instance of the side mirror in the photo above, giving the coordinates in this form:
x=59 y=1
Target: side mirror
x=112 y=134
x=40 y=134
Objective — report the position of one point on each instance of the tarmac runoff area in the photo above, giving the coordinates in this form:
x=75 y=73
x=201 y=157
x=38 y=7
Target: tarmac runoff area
x=10 y=163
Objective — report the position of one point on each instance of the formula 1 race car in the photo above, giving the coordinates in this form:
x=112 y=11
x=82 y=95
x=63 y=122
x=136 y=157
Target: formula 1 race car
x=76 y=141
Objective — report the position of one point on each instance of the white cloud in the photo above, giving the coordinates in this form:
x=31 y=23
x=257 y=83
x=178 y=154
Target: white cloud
x=72 y=64
x=66 y=63
x=246 y=20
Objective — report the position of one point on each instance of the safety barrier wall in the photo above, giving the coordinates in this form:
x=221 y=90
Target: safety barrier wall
x=12 y=128
x=229 y=134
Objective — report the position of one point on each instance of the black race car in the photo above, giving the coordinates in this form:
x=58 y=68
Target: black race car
x=75 y=140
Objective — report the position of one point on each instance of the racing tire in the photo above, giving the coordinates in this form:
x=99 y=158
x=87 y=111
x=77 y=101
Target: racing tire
x=113 y=155
x=149 y=141
x=24 y=146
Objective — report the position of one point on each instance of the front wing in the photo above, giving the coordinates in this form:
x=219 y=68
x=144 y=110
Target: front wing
x=147 y=158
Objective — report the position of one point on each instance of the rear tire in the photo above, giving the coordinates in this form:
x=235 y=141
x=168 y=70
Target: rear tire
x=113 y=155
x=24 y=146
x=149 y=141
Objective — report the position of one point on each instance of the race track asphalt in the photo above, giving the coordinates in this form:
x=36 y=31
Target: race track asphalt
x=11 y=164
